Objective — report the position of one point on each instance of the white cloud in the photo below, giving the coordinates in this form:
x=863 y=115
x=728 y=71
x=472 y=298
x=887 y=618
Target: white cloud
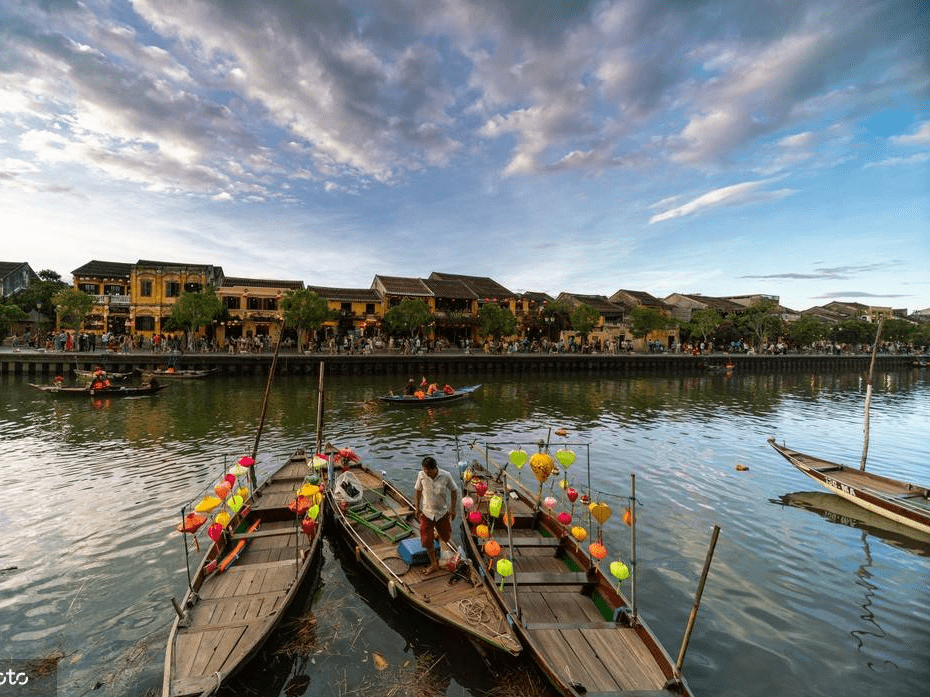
x=746 y=192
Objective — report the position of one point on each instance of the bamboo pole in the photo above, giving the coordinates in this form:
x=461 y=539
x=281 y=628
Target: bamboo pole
x=633 y=545
x=868 y=396
x=697 y=600
x=319 y=411
x=253 y=480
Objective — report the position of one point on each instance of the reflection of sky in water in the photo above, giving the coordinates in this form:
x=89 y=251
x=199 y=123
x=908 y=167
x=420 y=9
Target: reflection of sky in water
x=93 y=496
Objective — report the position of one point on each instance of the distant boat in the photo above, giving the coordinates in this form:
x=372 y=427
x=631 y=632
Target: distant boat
x=902 y=502
x=174 y=373
x=438 y=398
x=88 y=375
x=108 y=391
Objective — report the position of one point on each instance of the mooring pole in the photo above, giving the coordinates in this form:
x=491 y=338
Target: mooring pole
x=633 y=545
x=697 y=600
x=868 y=397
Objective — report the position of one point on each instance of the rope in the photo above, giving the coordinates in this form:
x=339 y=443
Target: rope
x=475 y=611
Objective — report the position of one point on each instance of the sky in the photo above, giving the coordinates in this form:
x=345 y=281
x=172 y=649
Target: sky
x=720 y=147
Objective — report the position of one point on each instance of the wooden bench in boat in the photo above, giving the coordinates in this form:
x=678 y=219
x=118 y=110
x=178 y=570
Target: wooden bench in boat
x=549 y=578
x=262 y=533
x=534 y=542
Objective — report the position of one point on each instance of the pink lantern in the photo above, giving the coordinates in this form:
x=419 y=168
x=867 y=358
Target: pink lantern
x=550 y=502
x=480 y=487
x=215 y=531
x=468 y=503
x=230 y=479
x=565 y=518
x=474 y=517
x=572 y=494
x=246 y=461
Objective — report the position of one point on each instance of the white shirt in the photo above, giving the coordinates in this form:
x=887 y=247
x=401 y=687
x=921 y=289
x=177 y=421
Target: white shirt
x=436 y=495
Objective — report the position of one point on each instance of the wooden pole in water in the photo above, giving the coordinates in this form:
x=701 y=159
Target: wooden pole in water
x=868 y=396
x=633 y=545
x=261 y=422
x=319 y=411
x=697 y=600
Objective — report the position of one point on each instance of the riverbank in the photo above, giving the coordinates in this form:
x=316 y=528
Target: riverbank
x=33 y=362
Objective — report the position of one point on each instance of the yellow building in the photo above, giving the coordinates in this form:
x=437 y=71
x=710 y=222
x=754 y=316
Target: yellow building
x=156 y=285
x=253 y=306
x=358 y=311
x=108 y=282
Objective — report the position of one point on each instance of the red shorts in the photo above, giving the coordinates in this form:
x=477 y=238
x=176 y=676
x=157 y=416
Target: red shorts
x=443 y=528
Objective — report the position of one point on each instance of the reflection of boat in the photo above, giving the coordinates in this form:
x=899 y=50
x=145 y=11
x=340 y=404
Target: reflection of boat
x=244 y=584
x=88 y=375
x=921 y=362
x=176 y=373
x=838 y=510
x=902 y=502
x=109 y=391
x=439 y=398
x=378 y=520
x=574 y=621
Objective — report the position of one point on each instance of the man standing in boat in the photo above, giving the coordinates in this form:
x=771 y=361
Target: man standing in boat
x=436 y=495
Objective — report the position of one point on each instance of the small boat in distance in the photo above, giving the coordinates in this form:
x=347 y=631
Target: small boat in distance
x=429 y=400
x=89 y=375
x=902 y=502
x=176 y=373
x=107 y=391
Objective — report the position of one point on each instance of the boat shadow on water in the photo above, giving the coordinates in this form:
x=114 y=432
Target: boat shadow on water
x=836 y=509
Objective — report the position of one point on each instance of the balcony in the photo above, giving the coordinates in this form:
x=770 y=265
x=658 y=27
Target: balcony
x=113 y=301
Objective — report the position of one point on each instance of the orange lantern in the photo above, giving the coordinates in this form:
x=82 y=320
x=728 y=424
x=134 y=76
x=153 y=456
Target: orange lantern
x=492 y=548
x=597 y=550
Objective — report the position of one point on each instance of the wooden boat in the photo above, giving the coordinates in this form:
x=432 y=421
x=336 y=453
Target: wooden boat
x=109 y=391
x=438 y=398
x=228 y=614
x=902 y=502
x=580 y=629
x=172 y=373
x=88 y=375
x=376 y=518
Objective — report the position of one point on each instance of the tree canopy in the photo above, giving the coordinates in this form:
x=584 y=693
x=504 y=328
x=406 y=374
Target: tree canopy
x=9 y=314
x=72 y=307
x=408 y=317
x=644 y=320
x=306 y=311
x=703 y=323
x=496 y=321
x=760 y=321
x=584 y=319
x=194 y=310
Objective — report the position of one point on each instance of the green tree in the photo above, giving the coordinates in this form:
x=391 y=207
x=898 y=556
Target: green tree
x=806 y=330
x=899 y=330
x=921 y=336
x=496 y=321
x=192 y=311
x=584 y=319
x=557 y=317
x=306 y=311
x=408 y=317
x=38 y=295
x=853 y=331
x=9 y=313
x=760 y=321
x=72 y=307
x=703 y=324
x=644 y=320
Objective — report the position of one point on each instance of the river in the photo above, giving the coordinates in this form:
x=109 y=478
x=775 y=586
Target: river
x=799 y=600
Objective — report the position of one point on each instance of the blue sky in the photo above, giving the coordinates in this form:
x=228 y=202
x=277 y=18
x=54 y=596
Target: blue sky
x=718 y=147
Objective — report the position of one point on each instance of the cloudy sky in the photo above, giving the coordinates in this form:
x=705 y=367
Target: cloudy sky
x=714 y=147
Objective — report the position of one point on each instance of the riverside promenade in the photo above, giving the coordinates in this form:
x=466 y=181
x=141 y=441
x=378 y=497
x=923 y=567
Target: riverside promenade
x=52 y=363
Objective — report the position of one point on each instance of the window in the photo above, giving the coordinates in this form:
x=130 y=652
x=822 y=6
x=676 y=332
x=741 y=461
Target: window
x=231 y=302
x=172 y=289
x=271 y=304
x=345 y=308
x=89 y=288
x=113 y=289
x=254 y=303
x=192 y=287
x=145 y=324
x=369 y=308
x=145 y=288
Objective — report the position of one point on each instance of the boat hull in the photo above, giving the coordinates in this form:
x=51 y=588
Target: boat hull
x=410 y=401
x=228 y=615
x=902 y=502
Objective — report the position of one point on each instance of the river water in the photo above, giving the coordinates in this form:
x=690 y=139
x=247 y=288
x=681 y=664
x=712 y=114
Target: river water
x=803 y=598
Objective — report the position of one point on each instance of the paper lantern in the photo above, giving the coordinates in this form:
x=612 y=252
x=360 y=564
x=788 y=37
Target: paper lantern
x=550 y=502
x=628 y=516
x=309 y=490
x=572 y=494
x=495 y=504
x=222 y=518
x=504 y=569
x=299 y=505
x=215 y=531
x=475 y=517
x=192 y=522
x=207 y=504
x=597 y=550
x=468 y=503
x=619 y=570
x=565 y=518
x=481 y=487
x=466 y=476
x=565 y=458
x=246 y=461
x=235 y=503
x=600 y=511
x=222 y=490
x=318 y=461
x=230 y=479
x=313 y=512
x=492 y=548
x=542 y=466
x=238 y=470
x=308 y=525
x=579 y=533
x=518 y=457
x=243 y=492
x=482 y=531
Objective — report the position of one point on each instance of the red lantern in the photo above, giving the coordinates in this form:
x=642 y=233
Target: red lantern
x=308 y=525
x=474 y=517
x=215 y=531
x=480 y=487
x=230 y=479
x=565 y=518
x=572 y=494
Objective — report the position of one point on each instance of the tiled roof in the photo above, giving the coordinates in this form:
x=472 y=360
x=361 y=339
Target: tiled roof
x=449 y=289
x=104 y=269
x=719 y=304
x=638 y=297
x=229 y=281
x=537 y=297
x=482 y=286
x=402 y=285
x=598 y=302
x=366 y=295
